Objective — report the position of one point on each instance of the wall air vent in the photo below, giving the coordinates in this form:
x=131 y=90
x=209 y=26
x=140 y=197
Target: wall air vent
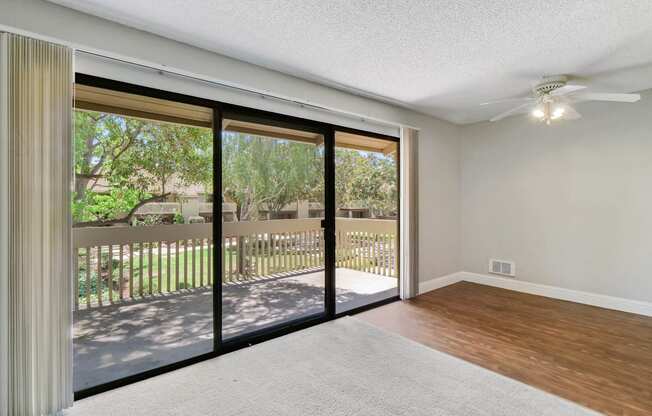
x=502 y=267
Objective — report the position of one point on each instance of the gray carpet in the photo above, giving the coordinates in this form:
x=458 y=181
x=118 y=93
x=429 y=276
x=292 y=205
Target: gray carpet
x=344 y=367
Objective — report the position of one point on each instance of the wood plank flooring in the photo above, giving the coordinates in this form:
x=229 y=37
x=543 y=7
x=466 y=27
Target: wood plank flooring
x=596 y=357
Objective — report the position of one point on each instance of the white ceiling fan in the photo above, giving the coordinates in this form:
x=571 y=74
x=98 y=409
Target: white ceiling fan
x=552 y=99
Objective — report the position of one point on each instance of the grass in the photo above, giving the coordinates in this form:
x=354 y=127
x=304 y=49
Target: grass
x=263 y=264
x=143 y=284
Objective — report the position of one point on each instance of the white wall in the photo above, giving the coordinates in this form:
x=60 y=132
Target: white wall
x=571 y=204
x=439 y=146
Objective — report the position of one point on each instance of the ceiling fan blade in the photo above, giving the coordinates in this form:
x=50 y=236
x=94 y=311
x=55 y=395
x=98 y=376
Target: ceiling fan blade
x=604 y=96
x=567 y=89
x=508 y=113
x=570 y=113
x=508 y=100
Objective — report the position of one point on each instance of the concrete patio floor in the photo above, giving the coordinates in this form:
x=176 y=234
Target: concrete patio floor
x=119 y=340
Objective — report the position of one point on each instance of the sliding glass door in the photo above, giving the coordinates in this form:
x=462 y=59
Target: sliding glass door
x=143 y=241
x=201 y=227
x=367 y=227
x=273 y=207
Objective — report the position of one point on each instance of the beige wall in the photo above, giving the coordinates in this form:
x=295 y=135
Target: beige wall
x=439 y=200
x=571 y=204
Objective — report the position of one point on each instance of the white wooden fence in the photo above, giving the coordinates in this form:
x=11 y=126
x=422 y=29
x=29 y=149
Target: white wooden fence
x=117 y=263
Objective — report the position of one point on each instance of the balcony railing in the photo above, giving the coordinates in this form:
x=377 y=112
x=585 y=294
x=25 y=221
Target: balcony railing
x=114 y=264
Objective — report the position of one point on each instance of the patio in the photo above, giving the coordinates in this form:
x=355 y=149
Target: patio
x=126 y=338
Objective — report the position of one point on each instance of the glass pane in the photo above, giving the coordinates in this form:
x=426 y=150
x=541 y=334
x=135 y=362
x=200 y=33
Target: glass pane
x=366 y=224
x=142 y=209
x=273 y=243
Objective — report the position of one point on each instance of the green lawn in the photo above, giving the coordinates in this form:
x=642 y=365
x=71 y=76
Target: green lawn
x=263 y=263
x=178 y=274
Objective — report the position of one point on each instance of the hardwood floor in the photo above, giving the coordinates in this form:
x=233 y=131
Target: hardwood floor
x=599 y=358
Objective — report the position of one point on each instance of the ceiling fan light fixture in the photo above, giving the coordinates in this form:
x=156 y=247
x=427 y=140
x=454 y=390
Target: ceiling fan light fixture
x=553 y=96
x=548 y=110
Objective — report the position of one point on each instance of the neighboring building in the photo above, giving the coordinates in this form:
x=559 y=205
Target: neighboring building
x=353 y=212
x=357 y=209
x=294 y=210
x=191 y=210
x=194 y=210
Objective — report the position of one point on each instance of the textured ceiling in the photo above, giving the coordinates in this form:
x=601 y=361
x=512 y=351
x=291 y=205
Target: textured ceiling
x=439 y=57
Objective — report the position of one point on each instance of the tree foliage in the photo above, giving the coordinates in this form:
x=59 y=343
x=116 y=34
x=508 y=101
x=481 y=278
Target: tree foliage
x=262 y=174
x=366 y=180
x=122 y=162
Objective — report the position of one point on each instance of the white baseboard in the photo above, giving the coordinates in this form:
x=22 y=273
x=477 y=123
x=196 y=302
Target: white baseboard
x=577 y=296
x=439 y=282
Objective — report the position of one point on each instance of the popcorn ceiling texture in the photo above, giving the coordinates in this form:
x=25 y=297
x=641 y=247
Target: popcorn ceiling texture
x=442 y=58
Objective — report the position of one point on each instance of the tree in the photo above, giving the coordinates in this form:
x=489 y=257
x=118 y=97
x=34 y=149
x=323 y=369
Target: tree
x=165 y=151
x=367 y=180
x=100 y=140
x=266 y=174
x=121 y=163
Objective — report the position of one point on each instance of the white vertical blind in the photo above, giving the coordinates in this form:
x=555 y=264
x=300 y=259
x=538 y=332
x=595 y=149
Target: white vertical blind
x=409 y=213
x=36 y=253
x=4 y=235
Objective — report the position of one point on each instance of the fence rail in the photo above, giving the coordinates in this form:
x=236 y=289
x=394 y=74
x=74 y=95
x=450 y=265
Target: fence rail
x=117 y=263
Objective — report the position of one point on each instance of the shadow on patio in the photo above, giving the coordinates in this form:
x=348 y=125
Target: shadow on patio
x=119 y=340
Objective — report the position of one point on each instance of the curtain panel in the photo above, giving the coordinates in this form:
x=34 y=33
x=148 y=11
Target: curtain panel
x=36 y=81
x=409 y=213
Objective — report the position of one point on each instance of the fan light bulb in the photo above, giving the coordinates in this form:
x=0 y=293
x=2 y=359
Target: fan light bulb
x=558 y=112
x=538 y=113
x=547 y=111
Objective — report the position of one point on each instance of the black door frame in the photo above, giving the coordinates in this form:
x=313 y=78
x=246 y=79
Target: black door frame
x=220 y=111
x=231 y=111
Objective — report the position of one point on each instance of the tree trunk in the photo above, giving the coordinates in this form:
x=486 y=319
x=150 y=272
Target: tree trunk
x=80 y=187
